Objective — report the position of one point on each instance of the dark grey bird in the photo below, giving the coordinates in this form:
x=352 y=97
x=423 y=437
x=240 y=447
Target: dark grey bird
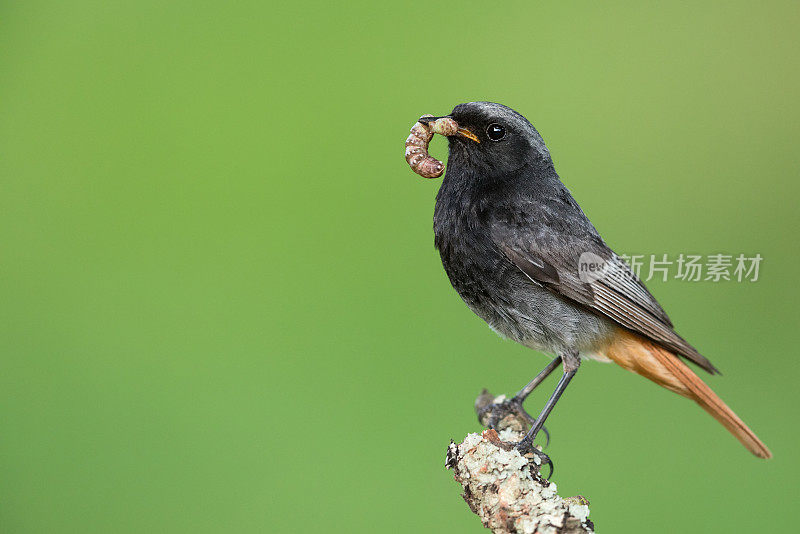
x=523 y=256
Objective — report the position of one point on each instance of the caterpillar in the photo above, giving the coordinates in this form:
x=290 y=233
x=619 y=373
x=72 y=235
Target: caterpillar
x=417 y=155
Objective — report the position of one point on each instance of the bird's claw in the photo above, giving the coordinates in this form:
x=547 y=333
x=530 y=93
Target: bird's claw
x=510 y=413
x=527 y=449
x=491 y=415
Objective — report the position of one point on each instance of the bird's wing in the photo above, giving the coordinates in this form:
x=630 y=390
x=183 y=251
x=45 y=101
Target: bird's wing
x=614 y=292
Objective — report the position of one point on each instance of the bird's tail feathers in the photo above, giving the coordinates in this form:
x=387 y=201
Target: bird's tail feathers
x=644 y=357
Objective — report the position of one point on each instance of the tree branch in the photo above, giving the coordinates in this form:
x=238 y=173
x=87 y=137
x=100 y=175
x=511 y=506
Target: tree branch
x=504 y=488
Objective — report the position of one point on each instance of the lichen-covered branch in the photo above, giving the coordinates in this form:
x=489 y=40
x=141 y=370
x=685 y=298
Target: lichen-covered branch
x=504 y=488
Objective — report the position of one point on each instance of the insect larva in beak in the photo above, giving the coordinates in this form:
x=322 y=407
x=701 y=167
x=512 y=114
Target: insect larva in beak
x=417 y=155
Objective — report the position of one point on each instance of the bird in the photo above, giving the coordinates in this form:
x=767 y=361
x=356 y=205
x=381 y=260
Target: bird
x=524 y=257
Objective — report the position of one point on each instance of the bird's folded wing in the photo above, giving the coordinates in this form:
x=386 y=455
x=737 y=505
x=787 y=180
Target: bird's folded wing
x=614 y=292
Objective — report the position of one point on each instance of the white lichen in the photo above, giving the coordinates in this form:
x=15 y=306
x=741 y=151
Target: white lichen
x=505 y=490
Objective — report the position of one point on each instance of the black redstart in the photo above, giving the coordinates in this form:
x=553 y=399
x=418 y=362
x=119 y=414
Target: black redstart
x=513 y=242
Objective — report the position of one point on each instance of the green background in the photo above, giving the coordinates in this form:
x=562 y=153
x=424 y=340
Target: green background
x=221 y=306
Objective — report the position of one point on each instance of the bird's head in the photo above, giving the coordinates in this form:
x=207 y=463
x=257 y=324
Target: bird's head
x=493 y=139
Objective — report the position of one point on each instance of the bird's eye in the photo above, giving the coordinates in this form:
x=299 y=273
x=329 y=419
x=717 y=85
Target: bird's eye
x=495 y=132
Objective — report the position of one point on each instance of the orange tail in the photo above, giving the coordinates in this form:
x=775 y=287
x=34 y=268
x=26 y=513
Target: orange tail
x=644 y=357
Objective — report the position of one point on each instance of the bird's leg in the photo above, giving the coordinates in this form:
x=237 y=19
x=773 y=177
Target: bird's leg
x=522 y=394
x=527 y=390
x=571 y=364
x=493 y=413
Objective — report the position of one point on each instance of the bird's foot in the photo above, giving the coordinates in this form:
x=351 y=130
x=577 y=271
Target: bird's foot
x=530 y=450
x=500 y=413
x=509 y=412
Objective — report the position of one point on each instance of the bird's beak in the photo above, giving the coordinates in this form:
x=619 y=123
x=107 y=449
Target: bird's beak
x=463 y=132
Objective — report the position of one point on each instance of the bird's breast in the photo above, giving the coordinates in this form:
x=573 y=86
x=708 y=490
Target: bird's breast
x=497 y=291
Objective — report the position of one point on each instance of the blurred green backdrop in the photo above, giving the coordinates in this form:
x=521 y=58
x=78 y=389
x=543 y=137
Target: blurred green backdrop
x=222 y=310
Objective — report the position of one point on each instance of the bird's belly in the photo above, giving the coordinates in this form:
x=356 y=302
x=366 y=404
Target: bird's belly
x=535 y=317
